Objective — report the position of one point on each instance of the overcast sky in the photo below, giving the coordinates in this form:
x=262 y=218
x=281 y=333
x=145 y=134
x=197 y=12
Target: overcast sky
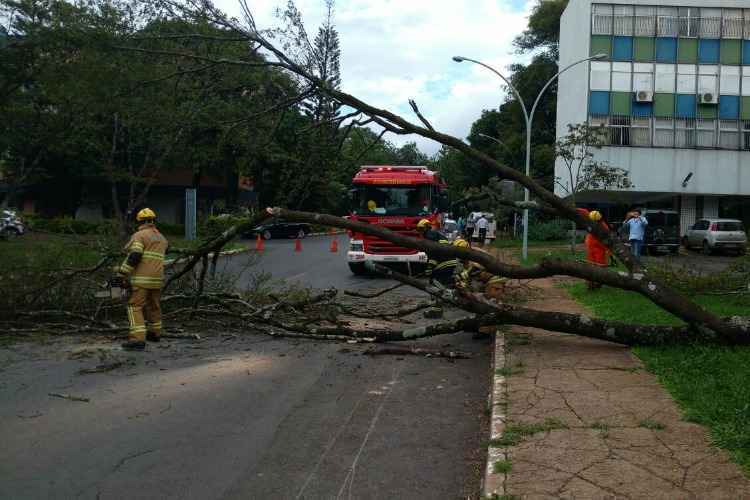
x=394 y=50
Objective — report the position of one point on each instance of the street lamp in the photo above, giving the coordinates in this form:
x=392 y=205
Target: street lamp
x=529 y=118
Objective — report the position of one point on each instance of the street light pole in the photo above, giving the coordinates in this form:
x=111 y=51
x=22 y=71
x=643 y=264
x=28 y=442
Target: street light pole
x=529 y=117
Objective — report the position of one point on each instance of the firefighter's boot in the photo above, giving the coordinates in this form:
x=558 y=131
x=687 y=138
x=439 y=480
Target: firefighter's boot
x=153 y=337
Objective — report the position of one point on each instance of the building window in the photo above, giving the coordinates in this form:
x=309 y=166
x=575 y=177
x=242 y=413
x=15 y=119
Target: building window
x=747 y=24
x=621 y=77
x=600 y=76
x=686 y=78
x=601 y=20
x=623 y=20
x=745 y=134
x=706 y=135
x=666 y=22
x=730 y=80
x=664 y=132
x=689 y=22
x=619 y=130
x=645 y=21
x=731 y=26
x=664 y=81
x=710 y=23
x=643 y=77
x=685 y=133
x=640 y=131
x=729 y=136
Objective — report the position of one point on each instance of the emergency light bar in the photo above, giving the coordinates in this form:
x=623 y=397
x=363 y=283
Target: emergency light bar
x=374 y=168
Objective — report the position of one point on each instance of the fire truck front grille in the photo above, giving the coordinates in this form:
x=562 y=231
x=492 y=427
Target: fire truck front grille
x=382 y=247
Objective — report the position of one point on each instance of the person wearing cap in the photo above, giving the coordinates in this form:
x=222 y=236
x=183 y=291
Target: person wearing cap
x=597 y=252
x=143 y=273
x=425 y=230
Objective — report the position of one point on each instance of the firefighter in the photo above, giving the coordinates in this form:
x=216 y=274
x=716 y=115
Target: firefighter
x=596 y=252
x=473 y=277
x=143 y=271
x=424 y=228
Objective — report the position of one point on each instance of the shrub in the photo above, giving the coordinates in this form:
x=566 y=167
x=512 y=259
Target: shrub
x=215 y=225
x=557 y=229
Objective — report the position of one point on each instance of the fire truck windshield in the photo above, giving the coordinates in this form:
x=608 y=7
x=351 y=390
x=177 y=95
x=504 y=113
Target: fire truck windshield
x=391 y=200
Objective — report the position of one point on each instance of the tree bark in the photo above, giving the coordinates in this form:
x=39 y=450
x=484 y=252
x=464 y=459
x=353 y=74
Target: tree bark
x=579 y=324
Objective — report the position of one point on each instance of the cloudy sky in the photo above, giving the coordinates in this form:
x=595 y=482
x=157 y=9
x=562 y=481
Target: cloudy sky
x=394 y=50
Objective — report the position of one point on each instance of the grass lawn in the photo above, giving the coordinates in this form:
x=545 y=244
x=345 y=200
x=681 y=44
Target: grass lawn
x=518 y=243
x=710 y=383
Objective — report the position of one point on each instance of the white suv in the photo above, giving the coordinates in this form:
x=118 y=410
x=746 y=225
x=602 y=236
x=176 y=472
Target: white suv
x=716 y=234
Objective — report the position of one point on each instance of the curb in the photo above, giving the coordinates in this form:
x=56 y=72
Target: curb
x=493 y=484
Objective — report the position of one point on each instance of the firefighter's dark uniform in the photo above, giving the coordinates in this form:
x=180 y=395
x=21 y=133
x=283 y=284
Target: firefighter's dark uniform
x=440 y=270
x=474 y=278
x=144 y=266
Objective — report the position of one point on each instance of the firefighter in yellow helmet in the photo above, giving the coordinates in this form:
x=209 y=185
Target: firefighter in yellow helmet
x=424 y=228
x=143 y=268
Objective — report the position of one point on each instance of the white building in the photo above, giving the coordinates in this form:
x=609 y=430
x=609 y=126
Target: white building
x=674 y=93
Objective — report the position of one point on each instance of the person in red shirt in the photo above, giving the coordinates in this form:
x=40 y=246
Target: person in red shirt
x=597 y=252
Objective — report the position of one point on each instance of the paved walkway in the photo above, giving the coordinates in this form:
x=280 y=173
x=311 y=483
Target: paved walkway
x=589 y=422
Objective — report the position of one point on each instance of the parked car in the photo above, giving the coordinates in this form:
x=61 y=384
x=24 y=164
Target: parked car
x=450 y=229
x=716 y=234
x=662 y=232
x=11 y=225
x=277 y=228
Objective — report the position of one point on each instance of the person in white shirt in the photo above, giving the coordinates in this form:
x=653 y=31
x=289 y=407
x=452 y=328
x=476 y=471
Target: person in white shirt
x=482 y=224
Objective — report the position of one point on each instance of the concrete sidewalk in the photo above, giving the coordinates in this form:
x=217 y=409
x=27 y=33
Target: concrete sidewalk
x=581 y=418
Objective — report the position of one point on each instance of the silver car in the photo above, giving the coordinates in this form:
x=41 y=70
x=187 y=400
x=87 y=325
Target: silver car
x=716 y=234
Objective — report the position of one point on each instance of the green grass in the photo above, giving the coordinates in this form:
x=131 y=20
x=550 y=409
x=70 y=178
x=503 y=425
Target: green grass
x=652 y=424
x=515 y=433
x=620 y=305
x=502 y=466
x=518 y=243
x=710 y=383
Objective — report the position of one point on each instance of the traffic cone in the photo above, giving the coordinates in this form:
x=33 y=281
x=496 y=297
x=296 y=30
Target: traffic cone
x=334 y=245
x=260 y=245
x=298 y=245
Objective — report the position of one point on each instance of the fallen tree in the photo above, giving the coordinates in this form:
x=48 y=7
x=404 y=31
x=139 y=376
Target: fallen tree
x=702 y=325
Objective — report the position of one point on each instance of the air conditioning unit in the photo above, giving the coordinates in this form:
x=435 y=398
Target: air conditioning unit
x=644 y=96
x=709 y=98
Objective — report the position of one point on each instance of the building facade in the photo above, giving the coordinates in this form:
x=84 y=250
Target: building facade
x=673 y=94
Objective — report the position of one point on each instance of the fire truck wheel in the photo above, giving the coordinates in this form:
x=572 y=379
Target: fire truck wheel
x=357 y=268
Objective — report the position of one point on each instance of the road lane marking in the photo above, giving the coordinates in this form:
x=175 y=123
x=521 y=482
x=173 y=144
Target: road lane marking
x=330 y=445
x=349 y=479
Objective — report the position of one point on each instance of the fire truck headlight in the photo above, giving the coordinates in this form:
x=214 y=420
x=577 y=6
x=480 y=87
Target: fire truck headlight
x=356 y=246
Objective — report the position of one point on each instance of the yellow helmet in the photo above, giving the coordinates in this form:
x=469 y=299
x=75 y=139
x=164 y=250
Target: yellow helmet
x=461 y=243
x=595 y=215
x=424 y=224
x=145 y=214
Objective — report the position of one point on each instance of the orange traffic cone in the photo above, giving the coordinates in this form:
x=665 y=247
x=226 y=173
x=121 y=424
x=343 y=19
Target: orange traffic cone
x=260 y=245
x=298 y=245
x=334 y=245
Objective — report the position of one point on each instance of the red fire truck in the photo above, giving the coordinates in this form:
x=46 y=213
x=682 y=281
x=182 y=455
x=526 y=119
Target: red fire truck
x=397 y=198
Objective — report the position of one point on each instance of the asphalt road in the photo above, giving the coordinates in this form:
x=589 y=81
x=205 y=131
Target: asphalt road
x=248 y=417
x=315 y=266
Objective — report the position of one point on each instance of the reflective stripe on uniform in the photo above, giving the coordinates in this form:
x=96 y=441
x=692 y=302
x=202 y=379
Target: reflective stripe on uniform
x=447 y=263
x=153 y=255
x=136 y=247
x=125 y=268
x=144 y=280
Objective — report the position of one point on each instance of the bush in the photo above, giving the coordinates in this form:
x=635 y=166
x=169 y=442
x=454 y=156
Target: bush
x=171 y=229
x=215 y=225
x=557 y=229
x=67 y=225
